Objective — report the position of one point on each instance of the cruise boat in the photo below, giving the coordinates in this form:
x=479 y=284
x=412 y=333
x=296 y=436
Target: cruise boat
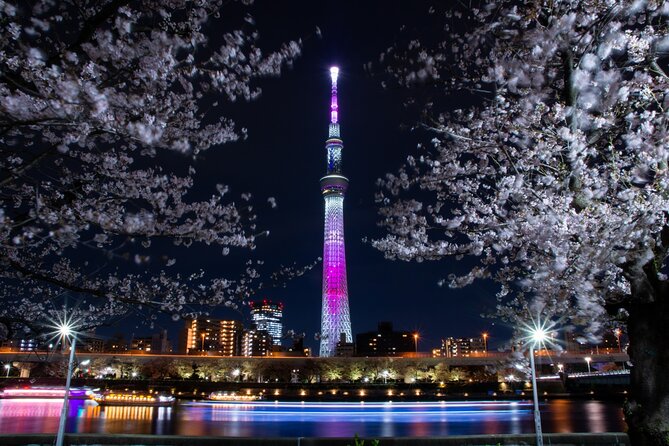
x=46 y=392
x=117 y=398
x=232 y=396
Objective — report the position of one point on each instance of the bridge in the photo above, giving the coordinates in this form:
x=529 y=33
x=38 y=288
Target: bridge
x=548 y=362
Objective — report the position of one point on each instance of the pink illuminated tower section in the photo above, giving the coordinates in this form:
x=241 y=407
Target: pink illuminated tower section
x=335 y=316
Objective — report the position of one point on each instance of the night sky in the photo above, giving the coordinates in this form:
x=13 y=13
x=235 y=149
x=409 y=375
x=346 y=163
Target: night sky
x=284 y=157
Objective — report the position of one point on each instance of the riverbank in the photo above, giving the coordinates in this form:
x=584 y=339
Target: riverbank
x=584 y=439
x=334 y=392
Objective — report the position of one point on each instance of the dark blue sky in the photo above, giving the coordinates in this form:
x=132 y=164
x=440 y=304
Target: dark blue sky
x=284 y=157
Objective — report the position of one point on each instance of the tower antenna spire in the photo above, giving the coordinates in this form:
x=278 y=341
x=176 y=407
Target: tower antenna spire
x=334 y=108
x=335 y=315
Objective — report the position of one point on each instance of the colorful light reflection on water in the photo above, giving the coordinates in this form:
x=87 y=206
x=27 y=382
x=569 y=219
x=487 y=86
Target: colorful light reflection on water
x=270 y=419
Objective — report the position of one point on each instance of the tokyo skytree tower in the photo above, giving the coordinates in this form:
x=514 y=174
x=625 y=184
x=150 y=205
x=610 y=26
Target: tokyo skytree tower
x=335 y=316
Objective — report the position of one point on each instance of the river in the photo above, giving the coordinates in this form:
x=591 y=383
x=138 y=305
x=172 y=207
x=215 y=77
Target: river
x=283 y=419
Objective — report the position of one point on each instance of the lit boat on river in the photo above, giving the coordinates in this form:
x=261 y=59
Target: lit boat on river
x=232 y=396
x=46 y=392
x=112 y=398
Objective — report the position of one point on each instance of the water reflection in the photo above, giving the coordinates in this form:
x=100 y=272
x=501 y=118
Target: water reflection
x=313 y=419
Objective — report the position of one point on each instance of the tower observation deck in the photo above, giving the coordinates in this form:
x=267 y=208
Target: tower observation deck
x=335 y=315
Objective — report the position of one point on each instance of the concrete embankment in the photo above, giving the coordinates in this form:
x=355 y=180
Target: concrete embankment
x=586 y=439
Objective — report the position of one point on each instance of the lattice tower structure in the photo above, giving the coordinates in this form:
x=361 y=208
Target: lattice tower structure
x=335 y=314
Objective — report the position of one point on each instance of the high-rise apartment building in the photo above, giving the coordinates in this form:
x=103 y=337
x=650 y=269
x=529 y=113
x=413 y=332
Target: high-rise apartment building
x=213 y=336
x=266 y=316
x=256 y=343
x=452 y=347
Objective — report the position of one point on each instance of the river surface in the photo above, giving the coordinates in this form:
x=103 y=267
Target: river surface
x=283 y=419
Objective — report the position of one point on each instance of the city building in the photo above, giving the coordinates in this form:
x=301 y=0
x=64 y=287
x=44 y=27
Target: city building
x=385 y=342
x=142 y=344
x=211 y=336
x=611 y=342
x=452 y=347
x=116 y=344
x=160 y=343
x=298 y=349
x=343 y=348
x=256 y=343
x=335 y=315
x=20 y=345
x=91 y=342
x=266 y=316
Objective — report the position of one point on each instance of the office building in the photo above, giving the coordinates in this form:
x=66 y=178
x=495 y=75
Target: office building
x=267 y=316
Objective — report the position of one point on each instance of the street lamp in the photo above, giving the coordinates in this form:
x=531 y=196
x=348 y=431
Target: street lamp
x=385 y=376
x=485 y=344
x=202 y=342
x=65 y=330
x=236 y=373
x=415 y=342
x=8 y=367
x=537 y=337
x=560 y=368
x=587 y=361
x=617 y=332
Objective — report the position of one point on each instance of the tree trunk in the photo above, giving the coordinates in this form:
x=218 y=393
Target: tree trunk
x=647 y=412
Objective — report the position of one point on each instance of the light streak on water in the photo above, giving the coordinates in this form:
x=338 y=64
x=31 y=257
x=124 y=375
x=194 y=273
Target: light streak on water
x=313 y=419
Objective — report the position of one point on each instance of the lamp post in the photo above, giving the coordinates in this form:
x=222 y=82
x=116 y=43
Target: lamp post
x=538 y=337
x=415 y=343
x=66 y=332
x=485 y=344
x=587 y=361
x=8 y=367
x=617 y=332
x=385 y=376
x=202 y=342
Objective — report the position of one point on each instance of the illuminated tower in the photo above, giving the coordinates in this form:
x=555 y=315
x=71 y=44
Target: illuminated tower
x=335 y=317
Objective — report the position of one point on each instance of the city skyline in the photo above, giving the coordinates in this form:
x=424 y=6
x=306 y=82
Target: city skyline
x=163 y=181
x=281 y=159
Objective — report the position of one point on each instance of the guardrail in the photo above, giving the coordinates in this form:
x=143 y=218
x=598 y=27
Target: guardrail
x=603 y=439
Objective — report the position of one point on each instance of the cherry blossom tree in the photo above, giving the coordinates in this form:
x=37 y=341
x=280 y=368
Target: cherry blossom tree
x=553 y=180
x=94 y=94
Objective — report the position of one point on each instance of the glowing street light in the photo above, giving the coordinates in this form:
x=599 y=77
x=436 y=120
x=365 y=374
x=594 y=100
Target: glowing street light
x=617 y=332
x=8 y=367
x=236 y=373
x=385 y=374
x=560 y=368
x=485 y=344
x=587 y=361
x=66 y=331
x=537 y=336
x=415 y=342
